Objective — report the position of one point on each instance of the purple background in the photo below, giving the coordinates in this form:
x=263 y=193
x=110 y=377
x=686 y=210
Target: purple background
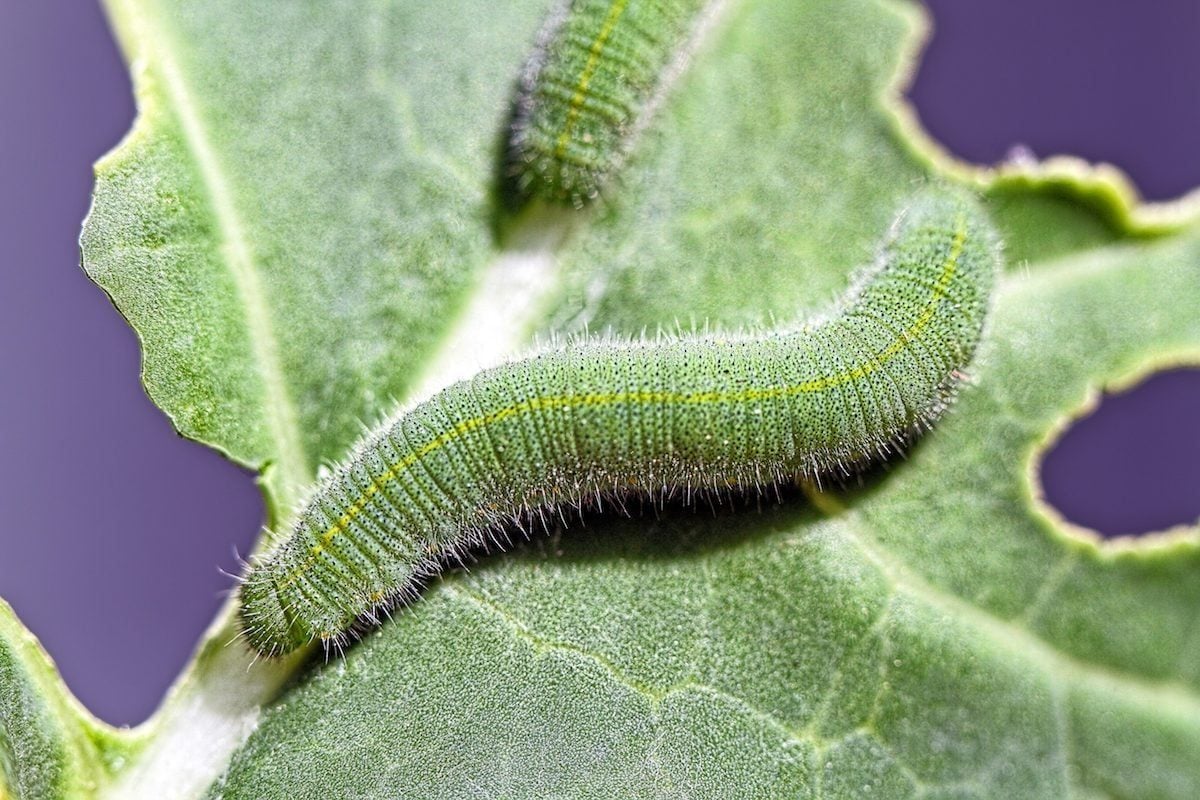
x=95 y=487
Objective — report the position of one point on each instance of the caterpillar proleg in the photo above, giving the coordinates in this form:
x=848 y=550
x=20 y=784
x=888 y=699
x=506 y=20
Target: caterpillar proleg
x=608 y=418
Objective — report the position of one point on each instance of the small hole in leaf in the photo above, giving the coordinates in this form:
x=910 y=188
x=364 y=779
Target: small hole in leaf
x=1132 y=465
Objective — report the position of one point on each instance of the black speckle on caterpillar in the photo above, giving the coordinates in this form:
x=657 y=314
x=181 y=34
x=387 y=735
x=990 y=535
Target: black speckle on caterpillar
x=602 y=418
x=592 y=81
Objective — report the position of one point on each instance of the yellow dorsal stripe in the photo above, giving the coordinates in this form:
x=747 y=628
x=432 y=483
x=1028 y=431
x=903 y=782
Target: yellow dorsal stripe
x=595 y=52
x=949 y=269
x=938 y=293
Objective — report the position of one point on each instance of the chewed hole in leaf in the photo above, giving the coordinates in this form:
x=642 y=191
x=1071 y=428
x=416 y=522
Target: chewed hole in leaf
x=994 y=77
x=1131 y=465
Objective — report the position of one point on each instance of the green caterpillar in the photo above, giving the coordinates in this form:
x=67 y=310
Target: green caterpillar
x=601 y=418
x=593 y=79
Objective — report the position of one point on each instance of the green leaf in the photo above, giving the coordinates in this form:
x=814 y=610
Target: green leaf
x=45 y=750
x=298 y=229
x=289 y=228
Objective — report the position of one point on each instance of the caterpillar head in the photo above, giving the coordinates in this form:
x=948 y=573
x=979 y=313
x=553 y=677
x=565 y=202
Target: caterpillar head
x=269 y=627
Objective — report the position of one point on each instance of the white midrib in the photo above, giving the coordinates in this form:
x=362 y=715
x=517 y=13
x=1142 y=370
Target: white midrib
x=494 y=323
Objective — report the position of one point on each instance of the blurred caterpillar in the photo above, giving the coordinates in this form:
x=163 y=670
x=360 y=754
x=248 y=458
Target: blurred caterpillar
x=600 y=417
x=592 y=81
